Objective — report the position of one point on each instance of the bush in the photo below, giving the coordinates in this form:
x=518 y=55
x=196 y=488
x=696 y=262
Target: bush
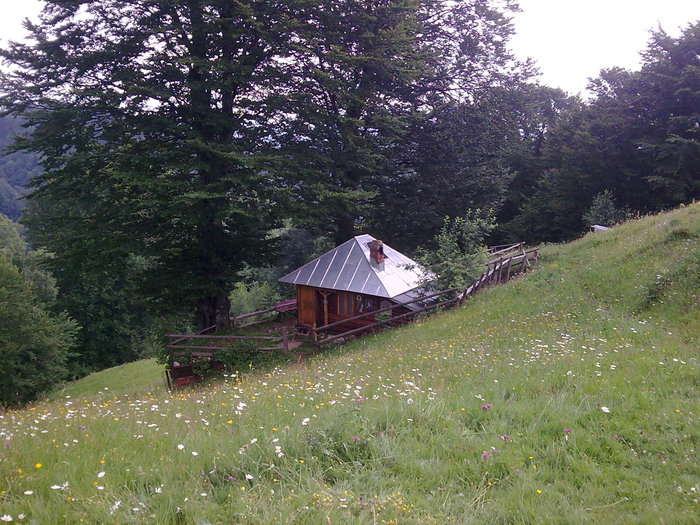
x=604 y=212
x=457 y=253
x=242 y=357
x=34 y=345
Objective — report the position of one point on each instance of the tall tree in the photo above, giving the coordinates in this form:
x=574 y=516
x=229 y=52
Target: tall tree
x=638 y=139
x=364 y=74
x=35 y=343
x=455 y=160
x=670 y=78
x=149 y=119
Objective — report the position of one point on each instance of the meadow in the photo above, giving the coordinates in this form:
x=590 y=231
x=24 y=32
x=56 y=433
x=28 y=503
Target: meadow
x=568 y=395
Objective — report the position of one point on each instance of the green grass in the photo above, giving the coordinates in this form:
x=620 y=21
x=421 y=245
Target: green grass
x=459 y=418
x=128 y=379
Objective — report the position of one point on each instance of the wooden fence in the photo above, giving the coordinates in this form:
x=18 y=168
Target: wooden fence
x=511 y=259
x=185 y=345
x=391 y=319
x=506 y=261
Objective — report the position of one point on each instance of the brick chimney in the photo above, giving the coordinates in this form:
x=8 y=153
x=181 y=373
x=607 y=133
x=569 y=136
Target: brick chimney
x=376 y=251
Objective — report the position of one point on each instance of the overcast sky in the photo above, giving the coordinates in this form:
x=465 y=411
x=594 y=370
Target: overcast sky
x=571 y=40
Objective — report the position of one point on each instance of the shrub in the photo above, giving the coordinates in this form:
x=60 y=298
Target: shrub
x=252 y=297
x=604 y=212
x=34 y=345
x=457 y=254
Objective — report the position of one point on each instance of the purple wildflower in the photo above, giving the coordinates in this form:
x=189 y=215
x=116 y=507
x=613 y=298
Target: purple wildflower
x=486 y=406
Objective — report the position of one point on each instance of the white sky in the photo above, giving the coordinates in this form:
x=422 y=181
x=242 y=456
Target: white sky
x=571 y=40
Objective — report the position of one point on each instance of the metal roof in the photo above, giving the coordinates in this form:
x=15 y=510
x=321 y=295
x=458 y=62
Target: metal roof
x=349 y=268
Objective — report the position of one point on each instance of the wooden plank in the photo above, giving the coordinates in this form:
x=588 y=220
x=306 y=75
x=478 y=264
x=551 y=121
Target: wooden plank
x=510 y=263
x=196 y=333
x=194 y=354
x=197 y=347
x=306 y=306
x=253 y=314
x=286 y=305
x=386 y=321
x=524 y=264
x=386 y=309
x=225 y=337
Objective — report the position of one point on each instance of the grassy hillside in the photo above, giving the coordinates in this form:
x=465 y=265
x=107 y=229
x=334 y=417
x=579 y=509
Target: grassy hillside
x=128 y=379
x=567 y=396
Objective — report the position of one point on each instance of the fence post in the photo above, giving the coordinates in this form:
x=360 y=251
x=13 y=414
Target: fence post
x=510 y=262
x=525 y=264
x=285 y=344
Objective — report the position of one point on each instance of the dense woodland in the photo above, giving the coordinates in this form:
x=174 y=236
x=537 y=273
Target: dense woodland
x=183 y=154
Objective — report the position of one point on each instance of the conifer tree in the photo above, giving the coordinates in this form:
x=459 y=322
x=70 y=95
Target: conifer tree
x=148 y=116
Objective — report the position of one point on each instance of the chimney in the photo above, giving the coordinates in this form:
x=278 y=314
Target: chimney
x=376 y=251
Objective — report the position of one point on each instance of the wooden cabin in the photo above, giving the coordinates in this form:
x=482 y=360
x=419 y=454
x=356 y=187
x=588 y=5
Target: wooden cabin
x=359 y=276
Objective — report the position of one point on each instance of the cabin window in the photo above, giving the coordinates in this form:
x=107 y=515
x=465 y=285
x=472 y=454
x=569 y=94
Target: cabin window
x=346 y=304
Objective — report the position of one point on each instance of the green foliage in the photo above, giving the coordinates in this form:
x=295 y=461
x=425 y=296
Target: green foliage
x=456 y=254
x=180 y=181
x=638 y=138
x=35 y=344
x=603 y=211
x=252 y=297
x=16 y=169
x=32 y=263
x=245 y=356
x=370 y=86
x=257 y=290
x=490 y=413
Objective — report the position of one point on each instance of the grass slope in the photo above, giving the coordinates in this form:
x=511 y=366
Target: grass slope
x=566 y=396
x=131 y=378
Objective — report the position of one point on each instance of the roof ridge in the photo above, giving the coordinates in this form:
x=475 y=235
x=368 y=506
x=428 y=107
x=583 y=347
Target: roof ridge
x=343 y=269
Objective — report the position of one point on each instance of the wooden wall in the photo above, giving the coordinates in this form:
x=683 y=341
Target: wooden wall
x=306 y=304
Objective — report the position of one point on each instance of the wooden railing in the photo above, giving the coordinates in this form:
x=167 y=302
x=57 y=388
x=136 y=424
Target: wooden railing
x=500 y=270
x=185 y=345
x=324 y=329
x=506 y=261
x=512 y=259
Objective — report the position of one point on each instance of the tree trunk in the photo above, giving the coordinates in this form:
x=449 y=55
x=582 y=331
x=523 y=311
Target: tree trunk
x=214 y=311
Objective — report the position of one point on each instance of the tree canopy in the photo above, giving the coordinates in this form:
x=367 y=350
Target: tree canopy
x=35 y=344
x=175 y=139
x=182 y=131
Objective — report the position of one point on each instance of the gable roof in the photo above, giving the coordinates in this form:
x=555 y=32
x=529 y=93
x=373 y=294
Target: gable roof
x=348 y=268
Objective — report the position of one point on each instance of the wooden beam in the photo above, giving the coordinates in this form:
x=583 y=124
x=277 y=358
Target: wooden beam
x=224 y=337
x=385 y=309
x=386 y=321
x=196 y=347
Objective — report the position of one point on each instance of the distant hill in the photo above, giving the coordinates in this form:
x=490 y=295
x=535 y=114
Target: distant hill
x=16 y=170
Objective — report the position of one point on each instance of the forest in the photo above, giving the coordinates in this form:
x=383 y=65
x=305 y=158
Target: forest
x=166 y=161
